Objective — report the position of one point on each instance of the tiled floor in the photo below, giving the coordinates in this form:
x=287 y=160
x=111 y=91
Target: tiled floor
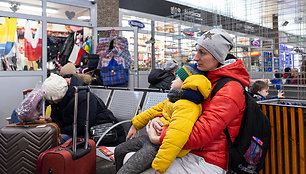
x=104 y=167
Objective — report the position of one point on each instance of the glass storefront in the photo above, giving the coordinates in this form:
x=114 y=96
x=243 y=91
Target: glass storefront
x=21 y=39
x=176 y=39
x=173 y=40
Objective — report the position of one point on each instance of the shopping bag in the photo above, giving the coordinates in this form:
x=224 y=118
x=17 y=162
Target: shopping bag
x=76 y=54
x=113 y=74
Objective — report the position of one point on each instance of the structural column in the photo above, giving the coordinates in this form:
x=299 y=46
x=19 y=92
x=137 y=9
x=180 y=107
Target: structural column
x=107 y=14
x=275 y=35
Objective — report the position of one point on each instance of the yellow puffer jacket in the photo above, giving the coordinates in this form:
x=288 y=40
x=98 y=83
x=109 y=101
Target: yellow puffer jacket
x=165 y=108
x=183 y=118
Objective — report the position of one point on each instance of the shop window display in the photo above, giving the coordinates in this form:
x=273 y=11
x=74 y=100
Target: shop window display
x=67 y=44
x=21 y=44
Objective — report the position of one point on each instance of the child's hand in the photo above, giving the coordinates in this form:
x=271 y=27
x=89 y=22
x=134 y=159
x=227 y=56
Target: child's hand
x=132 y=133
x=280 y=94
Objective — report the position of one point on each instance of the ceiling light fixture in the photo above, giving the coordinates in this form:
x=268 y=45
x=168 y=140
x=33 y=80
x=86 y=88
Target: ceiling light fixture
x=84 y=17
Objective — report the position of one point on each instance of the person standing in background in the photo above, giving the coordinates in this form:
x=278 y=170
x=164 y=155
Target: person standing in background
x=302 y=80
x=294 y=76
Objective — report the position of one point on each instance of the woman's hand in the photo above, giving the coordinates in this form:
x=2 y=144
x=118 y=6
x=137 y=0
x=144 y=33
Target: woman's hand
x=157 y=125
x=132 y=133
x=157 y=172
x=43 y=120
x=153 y=135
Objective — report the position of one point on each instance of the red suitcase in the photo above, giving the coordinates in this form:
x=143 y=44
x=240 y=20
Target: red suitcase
x=75 y=155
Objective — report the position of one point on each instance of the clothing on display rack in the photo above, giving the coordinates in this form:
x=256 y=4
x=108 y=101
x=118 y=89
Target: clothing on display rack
x=76 y=54
x=87 y=45
x=116 y=47
x=16 y=60
x=7 y=35
x=32 y=46
x=54 y=44
x=66 y=49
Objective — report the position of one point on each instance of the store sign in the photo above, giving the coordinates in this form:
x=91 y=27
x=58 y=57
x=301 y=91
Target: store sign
x=255 y=43
x=175 y=10
x=135 y=23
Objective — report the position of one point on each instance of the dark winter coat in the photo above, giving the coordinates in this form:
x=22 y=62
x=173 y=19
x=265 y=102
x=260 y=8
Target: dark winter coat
x=259 y=97
x=63 y=112
x=161 y=79
x=67 y=49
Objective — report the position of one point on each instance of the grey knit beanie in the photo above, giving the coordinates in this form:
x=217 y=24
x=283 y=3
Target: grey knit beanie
x=170 y=65
x=217 y=42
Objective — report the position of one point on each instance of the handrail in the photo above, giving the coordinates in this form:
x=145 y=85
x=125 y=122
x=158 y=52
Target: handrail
x=115 y=125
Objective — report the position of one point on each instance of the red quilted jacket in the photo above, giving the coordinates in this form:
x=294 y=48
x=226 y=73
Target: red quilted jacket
x=224 y=110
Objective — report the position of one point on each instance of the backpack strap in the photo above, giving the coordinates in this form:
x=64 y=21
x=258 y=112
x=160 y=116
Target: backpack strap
x=220 y=83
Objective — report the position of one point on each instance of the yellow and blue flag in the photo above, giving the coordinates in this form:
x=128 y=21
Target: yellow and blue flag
x=7 y=35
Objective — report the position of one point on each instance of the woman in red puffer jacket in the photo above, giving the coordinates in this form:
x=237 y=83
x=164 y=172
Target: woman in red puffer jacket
x=208 y=142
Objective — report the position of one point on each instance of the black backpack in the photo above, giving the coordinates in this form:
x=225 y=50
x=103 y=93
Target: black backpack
x=247 y=154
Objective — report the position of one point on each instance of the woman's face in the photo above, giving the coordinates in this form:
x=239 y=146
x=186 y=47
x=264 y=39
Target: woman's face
x=205 y=61
x=177 y=83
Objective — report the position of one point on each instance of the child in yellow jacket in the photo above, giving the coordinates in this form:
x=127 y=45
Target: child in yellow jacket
x=179 y=113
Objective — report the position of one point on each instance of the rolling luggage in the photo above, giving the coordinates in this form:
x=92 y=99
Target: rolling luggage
x=20 y=146
x=75 y=155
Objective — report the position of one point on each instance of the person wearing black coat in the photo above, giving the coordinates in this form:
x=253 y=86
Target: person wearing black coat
x=60 y=93
x=162 y=78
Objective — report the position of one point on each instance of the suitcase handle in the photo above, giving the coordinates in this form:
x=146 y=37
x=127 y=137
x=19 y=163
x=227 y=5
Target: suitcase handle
x=74 y=136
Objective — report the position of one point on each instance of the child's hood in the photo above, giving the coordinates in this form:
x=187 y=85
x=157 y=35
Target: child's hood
x=198 y=83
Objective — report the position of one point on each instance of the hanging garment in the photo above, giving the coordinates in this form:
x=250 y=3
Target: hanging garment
x=105 y=58
x=7 y=35
x=76 y=54
x=87 y=46
x=66 y=49
x=32 y=46
x=105 y=51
